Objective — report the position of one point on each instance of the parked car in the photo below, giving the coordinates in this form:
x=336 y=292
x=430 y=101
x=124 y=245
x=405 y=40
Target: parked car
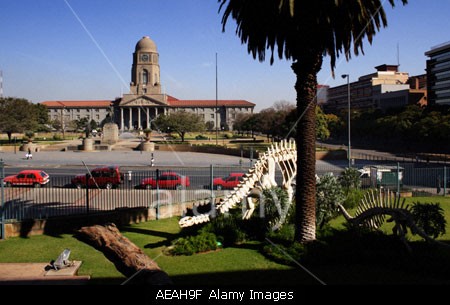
x=106 y=177
x=30 y=177
x=229 y=182
x=167 y=180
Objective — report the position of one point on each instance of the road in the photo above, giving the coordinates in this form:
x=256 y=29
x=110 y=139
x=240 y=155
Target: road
x=63 y=165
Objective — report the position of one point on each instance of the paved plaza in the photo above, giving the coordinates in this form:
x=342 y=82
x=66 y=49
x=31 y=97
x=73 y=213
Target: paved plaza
x=123 y=155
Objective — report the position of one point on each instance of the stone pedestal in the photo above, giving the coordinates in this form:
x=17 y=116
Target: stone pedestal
x=33 y=147
x=110 y=133
x=88 y=144
x=147 y=146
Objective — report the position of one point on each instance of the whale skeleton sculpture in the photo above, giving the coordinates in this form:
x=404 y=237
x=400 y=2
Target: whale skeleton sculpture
x=259 y=177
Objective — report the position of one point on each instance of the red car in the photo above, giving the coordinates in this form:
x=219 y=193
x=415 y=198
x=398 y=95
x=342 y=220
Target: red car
x=229 y=182
x=31 y=177
x=108 y=177
x=167 y=180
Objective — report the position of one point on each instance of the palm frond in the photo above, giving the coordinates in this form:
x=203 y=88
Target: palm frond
x=331 y=27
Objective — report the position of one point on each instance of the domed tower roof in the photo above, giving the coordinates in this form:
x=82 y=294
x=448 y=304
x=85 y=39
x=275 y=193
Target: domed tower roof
x=146 y=45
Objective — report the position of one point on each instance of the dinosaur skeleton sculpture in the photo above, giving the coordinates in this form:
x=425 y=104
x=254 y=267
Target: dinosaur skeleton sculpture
x=376 y=205
x=261 y=176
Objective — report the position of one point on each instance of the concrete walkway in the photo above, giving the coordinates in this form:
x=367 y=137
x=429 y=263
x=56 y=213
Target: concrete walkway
x=38 y=274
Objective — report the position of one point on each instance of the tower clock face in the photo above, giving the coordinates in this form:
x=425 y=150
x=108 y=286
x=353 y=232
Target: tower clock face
x=145 y=57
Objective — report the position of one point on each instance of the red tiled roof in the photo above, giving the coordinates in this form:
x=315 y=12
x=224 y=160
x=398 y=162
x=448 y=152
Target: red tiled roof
x=209 y=103
x=172 y=101
x=81 y=104
x=171 y=98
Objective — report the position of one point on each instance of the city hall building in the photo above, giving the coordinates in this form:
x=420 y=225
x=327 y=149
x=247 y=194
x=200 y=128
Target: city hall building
x=146 y=101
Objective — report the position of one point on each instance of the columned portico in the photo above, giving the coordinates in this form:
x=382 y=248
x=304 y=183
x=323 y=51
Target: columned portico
x=130 y=119
x=138 y=117
x=122 y=125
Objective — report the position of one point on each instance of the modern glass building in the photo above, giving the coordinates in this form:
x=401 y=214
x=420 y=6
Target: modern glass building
x=438 y=74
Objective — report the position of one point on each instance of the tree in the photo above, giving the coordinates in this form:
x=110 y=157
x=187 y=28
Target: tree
x=305 y=31
x=322 y=131
x=93 y=125
x=17 y=115
x=271 y=121
x=180 y=122
x=42 y=117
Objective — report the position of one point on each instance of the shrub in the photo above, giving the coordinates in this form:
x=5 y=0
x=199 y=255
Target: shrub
x=203 y=242
x=228 y=135
x=353 y=198
x=57 y=137
x=329 y=194
x=430 y=218
x=277 y=208
x=350 y=179
x=201 y=137
x=232 y=229
x=285 y=235
x=228 y=228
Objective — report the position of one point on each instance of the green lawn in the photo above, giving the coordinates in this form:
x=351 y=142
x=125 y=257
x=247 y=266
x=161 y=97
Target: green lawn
x=232 y=266
x=241 y=265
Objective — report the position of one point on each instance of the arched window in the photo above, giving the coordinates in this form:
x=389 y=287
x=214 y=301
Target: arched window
x=145 y=77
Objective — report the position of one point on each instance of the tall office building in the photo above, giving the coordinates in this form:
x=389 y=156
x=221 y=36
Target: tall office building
x=438 y=74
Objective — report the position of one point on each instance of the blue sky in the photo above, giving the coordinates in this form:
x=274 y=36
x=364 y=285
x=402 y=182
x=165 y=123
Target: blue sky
x=82 y=49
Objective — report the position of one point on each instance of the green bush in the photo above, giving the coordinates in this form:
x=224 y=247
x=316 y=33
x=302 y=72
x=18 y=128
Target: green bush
x=285 y=235
x=353 y=198
x=329 y=194
x=277 y=208
x=57 y=137
x=228 y=135
x=201 y=137
x=350 y=179
x=203 y=242
x=228 y=228
x=430 y=218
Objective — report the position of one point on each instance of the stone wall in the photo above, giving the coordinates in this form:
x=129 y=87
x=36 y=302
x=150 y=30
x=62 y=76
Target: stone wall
x=69 y=224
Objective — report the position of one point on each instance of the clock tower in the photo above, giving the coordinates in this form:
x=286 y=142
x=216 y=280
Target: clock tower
x=145 y=72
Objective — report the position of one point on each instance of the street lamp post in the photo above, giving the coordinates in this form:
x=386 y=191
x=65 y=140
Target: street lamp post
x=348 y=119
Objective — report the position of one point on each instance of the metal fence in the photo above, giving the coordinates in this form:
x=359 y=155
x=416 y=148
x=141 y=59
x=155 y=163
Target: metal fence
x=60 y=197
x=420 y=179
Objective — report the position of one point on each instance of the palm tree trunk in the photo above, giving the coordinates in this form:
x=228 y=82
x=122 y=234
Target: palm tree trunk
x=306 y=88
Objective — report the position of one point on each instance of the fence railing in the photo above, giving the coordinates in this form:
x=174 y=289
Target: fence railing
x=60 y=197
x=139 y=188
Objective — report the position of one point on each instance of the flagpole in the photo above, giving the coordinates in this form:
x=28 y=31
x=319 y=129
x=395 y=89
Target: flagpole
x=217 y=108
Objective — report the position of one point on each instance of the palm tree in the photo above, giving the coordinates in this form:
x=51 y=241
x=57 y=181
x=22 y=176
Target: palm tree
x=304 y=32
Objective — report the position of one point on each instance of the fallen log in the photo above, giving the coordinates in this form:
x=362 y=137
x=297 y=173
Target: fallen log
x=128 y=258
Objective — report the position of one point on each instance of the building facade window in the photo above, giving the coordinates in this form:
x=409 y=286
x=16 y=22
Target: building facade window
x=145 y=77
